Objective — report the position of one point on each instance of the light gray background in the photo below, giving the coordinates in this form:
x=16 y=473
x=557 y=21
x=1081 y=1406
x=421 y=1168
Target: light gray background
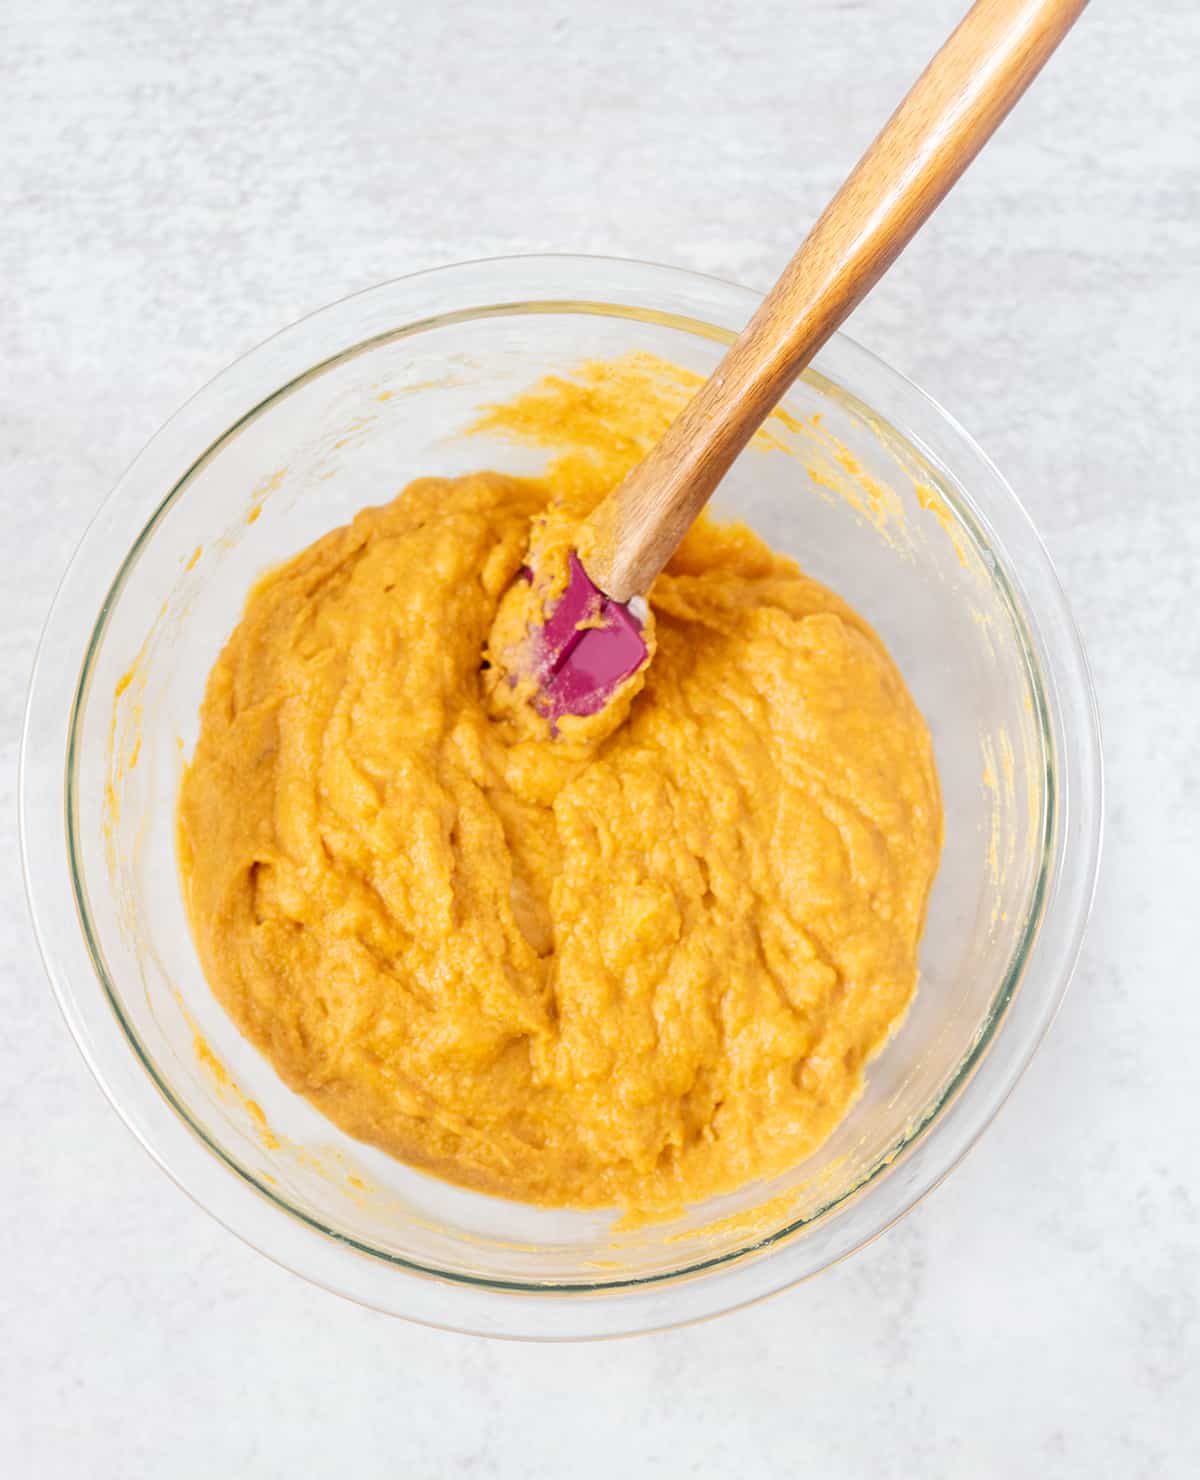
x=179 y=180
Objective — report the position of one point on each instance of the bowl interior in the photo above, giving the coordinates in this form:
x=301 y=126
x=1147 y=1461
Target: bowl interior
x=858 y=503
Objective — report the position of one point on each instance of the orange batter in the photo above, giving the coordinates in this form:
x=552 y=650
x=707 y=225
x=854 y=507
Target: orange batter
x=638 y=964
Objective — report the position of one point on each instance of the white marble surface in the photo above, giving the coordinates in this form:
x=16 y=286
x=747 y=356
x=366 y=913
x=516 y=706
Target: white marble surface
x=178 y=180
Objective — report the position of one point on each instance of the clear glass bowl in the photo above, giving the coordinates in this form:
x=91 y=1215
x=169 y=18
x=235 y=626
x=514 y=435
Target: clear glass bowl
x=341 y=410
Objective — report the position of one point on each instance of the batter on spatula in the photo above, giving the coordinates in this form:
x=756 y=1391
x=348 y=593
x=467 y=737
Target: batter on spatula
x=634 y=963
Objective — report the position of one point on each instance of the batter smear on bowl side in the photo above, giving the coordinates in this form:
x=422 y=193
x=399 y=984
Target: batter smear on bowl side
x=635 y=963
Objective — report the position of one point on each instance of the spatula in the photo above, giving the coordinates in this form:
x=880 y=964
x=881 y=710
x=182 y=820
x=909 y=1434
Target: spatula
x=591 y=641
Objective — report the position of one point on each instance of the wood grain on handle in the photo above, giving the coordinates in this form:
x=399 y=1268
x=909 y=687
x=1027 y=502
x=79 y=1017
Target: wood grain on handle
x=941 y=125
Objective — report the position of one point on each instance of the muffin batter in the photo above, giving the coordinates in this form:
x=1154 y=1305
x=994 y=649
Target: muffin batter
x=636 y=964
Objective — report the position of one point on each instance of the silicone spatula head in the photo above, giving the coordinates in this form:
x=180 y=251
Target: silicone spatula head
x=588 y=646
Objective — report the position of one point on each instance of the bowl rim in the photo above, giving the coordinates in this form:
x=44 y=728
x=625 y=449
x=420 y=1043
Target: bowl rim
x=1072 y=821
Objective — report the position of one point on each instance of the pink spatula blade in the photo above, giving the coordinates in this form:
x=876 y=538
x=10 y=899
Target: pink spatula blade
x=587 y=648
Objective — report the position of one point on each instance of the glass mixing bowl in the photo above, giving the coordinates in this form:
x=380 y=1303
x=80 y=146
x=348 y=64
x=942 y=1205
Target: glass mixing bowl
x=882 y=496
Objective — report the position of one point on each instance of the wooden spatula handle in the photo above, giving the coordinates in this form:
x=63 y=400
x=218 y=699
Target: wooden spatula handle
x=941 y=125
